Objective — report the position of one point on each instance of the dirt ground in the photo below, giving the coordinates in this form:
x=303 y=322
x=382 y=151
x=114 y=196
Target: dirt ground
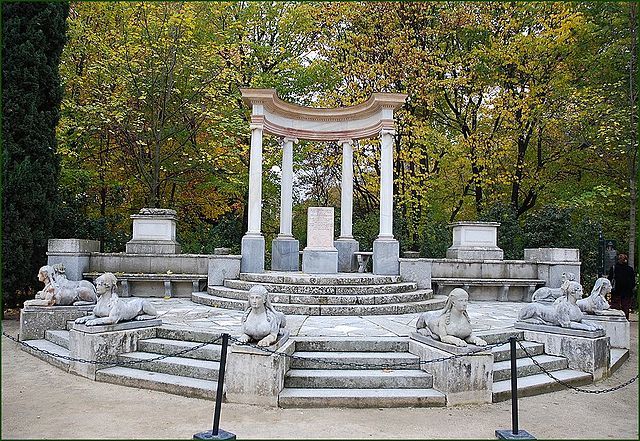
x=40 y=401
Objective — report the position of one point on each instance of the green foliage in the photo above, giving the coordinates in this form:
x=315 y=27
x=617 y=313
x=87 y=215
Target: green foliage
x=510 y=234
x=33 y=35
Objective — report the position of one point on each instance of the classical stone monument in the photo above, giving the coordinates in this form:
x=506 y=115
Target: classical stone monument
x=475 y=240
x=110 y=309
x=291 y=122
x=60 y=291
x=451 y=325
x=320 y=256
x=154 y=231
x=261 y=323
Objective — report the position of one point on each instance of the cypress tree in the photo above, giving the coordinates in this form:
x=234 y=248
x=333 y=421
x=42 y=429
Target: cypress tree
x=33 y=36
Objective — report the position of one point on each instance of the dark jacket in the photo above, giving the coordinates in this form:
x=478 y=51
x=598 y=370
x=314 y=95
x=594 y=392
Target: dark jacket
x=625 y=279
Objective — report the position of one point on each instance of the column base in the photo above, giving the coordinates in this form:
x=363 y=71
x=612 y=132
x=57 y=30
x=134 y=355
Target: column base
x=386 y=253
x=320 y=261
x=252 y=249
x=347 y=262
x=285 y=254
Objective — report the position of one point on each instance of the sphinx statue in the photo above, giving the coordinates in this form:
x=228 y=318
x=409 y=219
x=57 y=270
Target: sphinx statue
x=260 y=322
x=110 y=309
x=564 y=312
x=550 y=295
x=450 y=325
x=596 y=303
x=59 y=291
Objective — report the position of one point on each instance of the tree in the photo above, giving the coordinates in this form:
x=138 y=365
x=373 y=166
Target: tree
x=33 y=39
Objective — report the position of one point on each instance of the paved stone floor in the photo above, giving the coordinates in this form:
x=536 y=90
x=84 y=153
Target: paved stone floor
x=183 y=313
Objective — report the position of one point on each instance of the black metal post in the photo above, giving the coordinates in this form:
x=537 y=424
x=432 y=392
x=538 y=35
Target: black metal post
x=223 y=362
x=216 y=433
x=514 y=387
x=515 y=432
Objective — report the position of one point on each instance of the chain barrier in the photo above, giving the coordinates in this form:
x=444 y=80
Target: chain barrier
x=569 y=386
x=110 y=363
x=374 y=365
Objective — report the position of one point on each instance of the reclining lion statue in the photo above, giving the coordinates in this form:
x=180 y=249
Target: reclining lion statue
x=111 y=309
x=59 y=291
x=450 y=325
x=564 y=312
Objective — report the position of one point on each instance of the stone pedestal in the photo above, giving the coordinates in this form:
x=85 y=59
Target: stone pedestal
x=154 y=232
x=74 y=254
x=347 y=262
x=617 y=328
x=320 y=256
x=36 y=320
x=285 y=254
x=105 y=343
x=222 y=267
x=256 y=377
x=553 y=262
x=475 y=241
x=466 y=379
x=417 y=270
x=252 y=249
x=386 y=253
x=586 y=351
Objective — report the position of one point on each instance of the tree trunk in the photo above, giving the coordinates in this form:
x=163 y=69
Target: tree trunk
x=633 y=151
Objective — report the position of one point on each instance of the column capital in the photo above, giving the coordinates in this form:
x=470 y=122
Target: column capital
x=345 y=141
x=255 y=125
x=287 y=139
x=384 y=132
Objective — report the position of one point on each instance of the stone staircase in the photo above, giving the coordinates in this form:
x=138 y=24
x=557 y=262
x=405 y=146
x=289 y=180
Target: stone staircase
x=340 y=294
x=333 y=373
x=531 y=380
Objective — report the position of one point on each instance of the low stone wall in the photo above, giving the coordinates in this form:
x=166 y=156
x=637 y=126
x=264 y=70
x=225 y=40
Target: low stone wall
x=149 y=263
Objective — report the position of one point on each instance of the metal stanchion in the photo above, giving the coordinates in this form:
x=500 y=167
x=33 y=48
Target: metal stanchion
x=514 y=433
x=216 y=433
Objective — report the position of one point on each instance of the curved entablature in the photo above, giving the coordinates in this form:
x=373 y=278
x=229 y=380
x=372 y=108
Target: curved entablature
x=280 y=118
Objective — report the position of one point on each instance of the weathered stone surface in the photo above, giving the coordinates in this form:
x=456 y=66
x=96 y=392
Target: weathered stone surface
x=105 y=346
x=320 y=227
x=416 y=270
x=35 y=320
x=443 y=346
x=221 y=268
x=618 y=329
x=315 y=261
x=347 y=262
x=588 y=354
x=464 y=380
x=475 y=241
x=256 y=378
x=558 y=330
x=135 y=324
x=73 y=246
x=285 y=254
x=386 y=254
x=252 y=250
x=552 y=254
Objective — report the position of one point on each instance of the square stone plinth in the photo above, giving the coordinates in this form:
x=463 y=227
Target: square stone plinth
x=252 y=250
x=320 y=261
x=285 y=254
x=221 y=268
x=255 y=376
x=386 y=255
x=347 y=261
x=464 y=379
x=617 y=328
x=36 y=320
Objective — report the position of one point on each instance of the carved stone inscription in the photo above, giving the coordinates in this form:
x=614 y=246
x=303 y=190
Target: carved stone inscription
x=320 y=227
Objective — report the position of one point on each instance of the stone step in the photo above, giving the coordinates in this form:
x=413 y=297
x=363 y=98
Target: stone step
x=36 y=346
x=500 y=335
x=618 y=356
x=184 y=367
x=526 y=366
x=360 y=398
x=358 y=379
x=503 y=352
x=391 y=288
x=163 y=346
x=173 y=332
x=355 y=344
x=319 y=279
x=173 y=384
x=354 y=360
x=59 y=337
x=539 y=384
x=348 y=310
x=326 y=299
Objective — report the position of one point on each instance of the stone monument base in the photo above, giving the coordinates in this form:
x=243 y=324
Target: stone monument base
x=464 y=380
x=36 y=320
x=285 y=254
x=255 y=376
x=475 y=253
x=152 y=247
x=252 y=250
x=347 y=262
x=320 y=261
x=617 y=328
x=386 y=253
x=585 y=350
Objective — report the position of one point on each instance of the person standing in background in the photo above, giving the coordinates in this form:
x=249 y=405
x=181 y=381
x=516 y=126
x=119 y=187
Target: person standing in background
x=623 y=280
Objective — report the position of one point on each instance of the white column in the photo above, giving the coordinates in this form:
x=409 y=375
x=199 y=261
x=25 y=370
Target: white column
x=346 y=195
x=255 y=181
x=386 y=184
x=286 y=187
